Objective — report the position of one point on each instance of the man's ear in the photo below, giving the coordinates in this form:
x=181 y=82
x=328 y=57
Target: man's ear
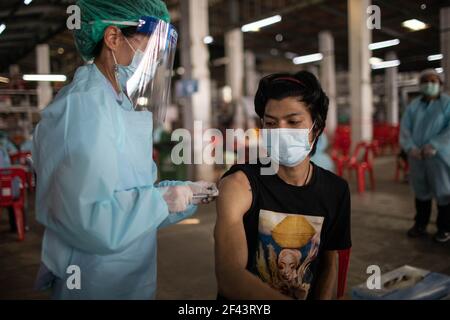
x=112 y=37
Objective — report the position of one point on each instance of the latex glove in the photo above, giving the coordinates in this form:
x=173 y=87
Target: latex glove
x=428 y=151
x=177 y=198
x=204 y=192
x=415 y=153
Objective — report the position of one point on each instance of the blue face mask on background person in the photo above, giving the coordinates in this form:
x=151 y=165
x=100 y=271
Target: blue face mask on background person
x=288 y=147
x=430 y=89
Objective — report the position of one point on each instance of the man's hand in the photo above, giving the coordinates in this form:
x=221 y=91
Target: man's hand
x=415 y=153
x=428 y=151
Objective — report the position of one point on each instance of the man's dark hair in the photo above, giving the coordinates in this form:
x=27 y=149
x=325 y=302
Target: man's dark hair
x=304 y=86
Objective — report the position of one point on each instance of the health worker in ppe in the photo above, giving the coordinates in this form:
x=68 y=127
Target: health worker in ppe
x=92 y=151
x=425 y=136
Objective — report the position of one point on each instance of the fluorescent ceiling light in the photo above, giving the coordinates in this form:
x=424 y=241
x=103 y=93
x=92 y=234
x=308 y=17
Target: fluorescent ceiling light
x=208 y=40
x=279 y=37
x=384 y=44
x=435 y=57
x=255 y=26
x=414 y=24
x=439 y=70
x=308 y=58
x=375 y=60
x=142 y=101
x=27 y=2
x=45 y=77
x=180 y=71
x=290 y=55
x=386 y=64
x=2 y=27
x=4 y=80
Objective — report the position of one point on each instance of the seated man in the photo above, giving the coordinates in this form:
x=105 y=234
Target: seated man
x=277 y=236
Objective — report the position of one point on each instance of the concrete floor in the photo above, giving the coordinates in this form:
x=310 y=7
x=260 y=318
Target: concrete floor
x=186 y=251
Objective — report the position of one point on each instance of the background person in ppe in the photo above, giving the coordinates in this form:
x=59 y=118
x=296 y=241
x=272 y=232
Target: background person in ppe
x=96 y=192
x=6 y=143
x=425 y=136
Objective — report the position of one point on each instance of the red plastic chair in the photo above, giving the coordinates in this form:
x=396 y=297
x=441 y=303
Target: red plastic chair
x=361 y=162
x=341 y=148
x=394 y=136
x=386 y=135
x=342 y=140
x=7 y=200
x=343 y=264
x=340 y=161
x=24 y=159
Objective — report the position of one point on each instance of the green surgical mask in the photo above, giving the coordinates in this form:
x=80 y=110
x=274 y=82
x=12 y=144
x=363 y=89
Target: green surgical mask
x=430 y=89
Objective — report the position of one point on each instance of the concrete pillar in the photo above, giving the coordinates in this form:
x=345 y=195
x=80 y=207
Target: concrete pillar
x=234 y=72
x=234 y=51
x=391 y=91
x=328 y=77
x=44 y=89
x=314 y=69
x=360 y=71
x=195 y=59
x=251 y=77
x=445 y=45
x=14 y=70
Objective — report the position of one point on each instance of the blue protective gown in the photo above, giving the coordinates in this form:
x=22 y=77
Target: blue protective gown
x=95 y=193
x=321 y=157
x=8 y=145
x=429 y=123
x=26 y=146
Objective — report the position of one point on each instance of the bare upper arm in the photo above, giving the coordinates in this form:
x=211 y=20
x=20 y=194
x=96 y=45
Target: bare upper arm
x=230 y=241
x=235 y=197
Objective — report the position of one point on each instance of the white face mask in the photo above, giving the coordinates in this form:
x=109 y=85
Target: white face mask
x=288 y=147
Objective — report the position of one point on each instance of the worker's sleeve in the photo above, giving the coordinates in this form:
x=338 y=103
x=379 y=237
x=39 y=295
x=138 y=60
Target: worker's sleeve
x=441 y=142
x=80 y=195
x=174 y=218
x=406 y=125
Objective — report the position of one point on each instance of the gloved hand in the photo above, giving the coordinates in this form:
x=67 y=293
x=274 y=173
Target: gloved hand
x=428 y=151
x=415 y=153
x=204 y=192
x=177 y=198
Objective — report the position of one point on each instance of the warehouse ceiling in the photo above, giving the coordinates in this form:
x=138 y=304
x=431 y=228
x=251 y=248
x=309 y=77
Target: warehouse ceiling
x=45 y=21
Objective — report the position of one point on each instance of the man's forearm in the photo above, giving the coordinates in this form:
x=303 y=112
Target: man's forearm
x=246 y=286
x=326 y=287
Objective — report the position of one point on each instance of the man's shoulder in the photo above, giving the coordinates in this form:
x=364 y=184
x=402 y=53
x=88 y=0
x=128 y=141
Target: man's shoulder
x=250 y=170
x=331 y=180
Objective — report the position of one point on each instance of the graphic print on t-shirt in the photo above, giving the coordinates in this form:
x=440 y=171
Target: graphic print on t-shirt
x=288 y=244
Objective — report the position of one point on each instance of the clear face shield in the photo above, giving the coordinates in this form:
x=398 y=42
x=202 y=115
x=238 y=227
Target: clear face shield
x=146 y=81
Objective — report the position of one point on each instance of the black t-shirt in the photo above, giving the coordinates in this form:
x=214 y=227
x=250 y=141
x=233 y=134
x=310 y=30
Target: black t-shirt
x=289 y=227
